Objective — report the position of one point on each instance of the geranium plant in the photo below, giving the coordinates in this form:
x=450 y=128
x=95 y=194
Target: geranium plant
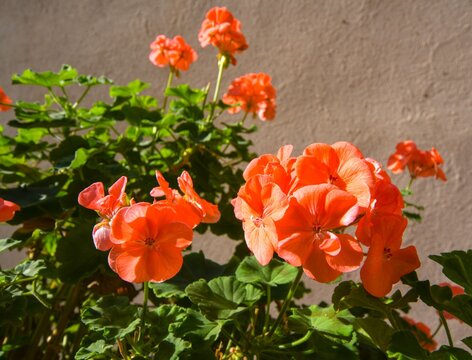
x=106 y=198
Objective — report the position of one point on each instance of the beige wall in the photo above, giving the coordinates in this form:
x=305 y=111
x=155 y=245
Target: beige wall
x=369 y=72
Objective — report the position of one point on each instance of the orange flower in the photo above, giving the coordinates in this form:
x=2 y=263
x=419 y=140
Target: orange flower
x=210 y=212
x=456 y=290
x=279 y=168
x=4 y=101
x=420 y=163
x=252 y=93
x=340 y=164
x=200 y=209
x=259 y=204
x=386 y=200
x=147 y=242
x=174 y=52
x=423 y=333
x=93 y=198
x=223 y=31
x=7 y=210
x=306 y=236
x=386 y=263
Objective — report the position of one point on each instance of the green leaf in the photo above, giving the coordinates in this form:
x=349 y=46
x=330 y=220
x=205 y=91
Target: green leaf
x=77 y=255
x=88 y=80
x=325 y=320
x=132 y=89
x=222 y=297
x=450 y=353
x=404 y=346
x=65 y=76
x=457 y=266
x=31 y=268
x=273 y=274
x=184 y=92
x=468 y=341
x=377 y=331
x=8 y=243
x=111 y=315
x=96 y=350
x=171 y=348
x=195 y=267
x=412 y=216
x=80 y=158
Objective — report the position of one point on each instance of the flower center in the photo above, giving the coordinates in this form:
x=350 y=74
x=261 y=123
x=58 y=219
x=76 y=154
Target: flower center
x=387 y=253
x=332 y=179
x=149 y=242
x=257 y=221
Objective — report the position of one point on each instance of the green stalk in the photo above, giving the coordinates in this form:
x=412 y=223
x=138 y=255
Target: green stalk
x=446 y=327
x=145 y=301
x=169 y=84
x=221 y=66
x=297 y=342
x=437 y=329
x=287 y=301
x=267 y=312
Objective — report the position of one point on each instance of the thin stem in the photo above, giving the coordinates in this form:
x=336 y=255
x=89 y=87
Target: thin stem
x=145 y=301
x=408 y=187
x=221 y=66
x=437 y=329
x=267 y=312
x=297 y=342
x=169 y=83
x=287 y=301
x=446 y=327
x=241 y=123
x=84 y=94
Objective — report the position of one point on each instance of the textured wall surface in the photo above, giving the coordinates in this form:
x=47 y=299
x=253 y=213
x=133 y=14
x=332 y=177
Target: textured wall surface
x=369 y=72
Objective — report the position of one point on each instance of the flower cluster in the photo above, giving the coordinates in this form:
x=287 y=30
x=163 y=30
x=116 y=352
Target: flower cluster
x=146 y=240
x=173 y=52
x=223 y=31
x=302 y=207
x=252 y=93
x=420 y=163
x=4 y=101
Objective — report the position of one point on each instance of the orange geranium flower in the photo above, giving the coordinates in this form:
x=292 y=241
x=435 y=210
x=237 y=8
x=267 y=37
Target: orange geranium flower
x=173 y=52
x=210 y=212
x=7 y=210
x=147 y=242
x=279 y=167
x=422 y=333
x=200 y=209
x=306 y=236
x=223 y=31
x=420 y=163
x=259 y=204
x=456 y=290
x=340 y=164
x=386 y=263
x=93 y=198
x=4 y=101
x=386 y=200
x=252 y=93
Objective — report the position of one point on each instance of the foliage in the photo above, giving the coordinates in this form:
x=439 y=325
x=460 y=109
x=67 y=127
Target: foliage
x=63 y=301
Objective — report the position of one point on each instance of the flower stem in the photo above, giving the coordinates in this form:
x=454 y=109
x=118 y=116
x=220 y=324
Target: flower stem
x=241 y=123
x=267 y=312
x=169 y=84
x=287 y=301
x=145 y=301
x=446 y=327
x=437 y=329
x=221 y=66
x=297 y=342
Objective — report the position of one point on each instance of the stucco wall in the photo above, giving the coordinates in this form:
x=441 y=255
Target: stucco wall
x=369 y=72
